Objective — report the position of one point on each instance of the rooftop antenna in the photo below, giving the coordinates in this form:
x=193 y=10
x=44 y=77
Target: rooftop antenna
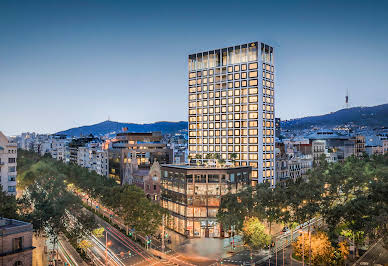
x=108 y=117
x=347 y=99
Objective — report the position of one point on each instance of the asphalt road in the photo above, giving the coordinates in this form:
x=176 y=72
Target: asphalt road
x=376 y=255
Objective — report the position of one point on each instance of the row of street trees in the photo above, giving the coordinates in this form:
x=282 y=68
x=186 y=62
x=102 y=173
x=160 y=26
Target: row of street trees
x=46 y=183
x=350 y=196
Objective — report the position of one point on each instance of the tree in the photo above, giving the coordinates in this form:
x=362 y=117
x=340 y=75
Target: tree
x=254 y=235
x=98 y=232
x=138 y=212
x=84 y=245
x=322 y=252
x=8 y=205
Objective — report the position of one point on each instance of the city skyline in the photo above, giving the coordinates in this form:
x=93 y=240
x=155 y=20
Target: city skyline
x=84 y=61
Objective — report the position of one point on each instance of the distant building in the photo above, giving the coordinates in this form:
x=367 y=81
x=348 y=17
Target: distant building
x=15 y=242
x=318 y=148
x=8 y=157
x=192 y=195
x=385 y=146
x=147 y=180
x=359 y=146
x=94 y=159
x=145 y=148
x=74 y=145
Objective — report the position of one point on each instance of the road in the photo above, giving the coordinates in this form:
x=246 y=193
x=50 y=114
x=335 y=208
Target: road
x=282 y=241
x=122 y=250
x=376 y=255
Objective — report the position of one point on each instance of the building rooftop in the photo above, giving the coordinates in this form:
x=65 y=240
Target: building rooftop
x=11 y=226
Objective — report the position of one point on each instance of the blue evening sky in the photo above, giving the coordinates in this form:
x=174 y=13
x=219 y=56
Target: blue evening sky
x=72 y=63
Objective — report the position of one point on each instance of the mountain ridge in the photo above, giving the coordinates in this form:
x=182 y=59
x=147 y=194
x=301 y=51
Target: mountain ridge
x=112 y=127
x=370 y=116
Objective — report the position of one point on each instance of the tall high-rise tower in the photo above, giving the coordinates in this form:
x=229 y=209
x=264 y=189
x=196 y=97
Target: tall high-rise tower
x=232 y=107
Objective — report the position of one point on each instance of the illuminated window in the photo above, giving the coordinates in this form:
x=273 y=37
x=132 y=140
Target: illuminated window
x=253 y=74
x=253 y=107
x=253 y=99
x=253 y=132
x=253 y=156
x=253 y=82
x=253 y=140
x=243 y=67
x=253 y=148
x=252 y=90
x=253 y=115
x=253 y=66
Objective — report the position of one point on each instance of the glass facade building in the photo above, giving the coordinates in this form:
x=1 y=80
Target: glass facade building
x=192 y=195
x=232 y=107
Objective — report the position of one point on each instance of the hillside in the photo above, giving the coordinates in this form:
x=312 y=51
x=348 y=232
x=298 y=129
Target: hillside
x=374 y=116
x=111 y=127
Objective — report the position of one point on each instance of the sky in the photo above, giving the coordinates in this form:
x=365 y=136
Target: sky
x=70 y=63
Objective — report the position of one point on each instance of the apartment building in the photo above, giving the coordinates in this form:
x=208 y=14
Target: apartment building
x=232 y=107
x=94 y=158
x=145 y=148
x=8 y=156
x=15 y=242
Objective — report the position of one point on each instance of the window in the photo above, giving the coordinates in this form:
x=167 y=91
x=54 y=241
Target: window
x=253 y=74
x=17 y=244
x=18 y=263
x=11 y=169
x=11 y=189
x=11 y=160
x=253 y=82
x=11 y=178
x=253 y=66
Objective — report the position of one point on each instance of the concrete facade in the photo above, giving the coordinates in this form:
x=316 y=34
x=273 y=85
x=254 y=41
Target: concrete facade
x=15 y=242
x=8 y=157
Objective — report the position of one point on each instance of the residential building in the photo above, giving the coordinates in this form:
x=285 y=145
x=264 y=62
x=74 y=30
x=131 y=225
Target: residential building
x=359 y=146
x=94 y=158
x=232 y=107
x=8 y=157
x=318 y=148
x=145 y=148
x=192 y=195
x=15 y=242
x=385 y=146
x=74 y=145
